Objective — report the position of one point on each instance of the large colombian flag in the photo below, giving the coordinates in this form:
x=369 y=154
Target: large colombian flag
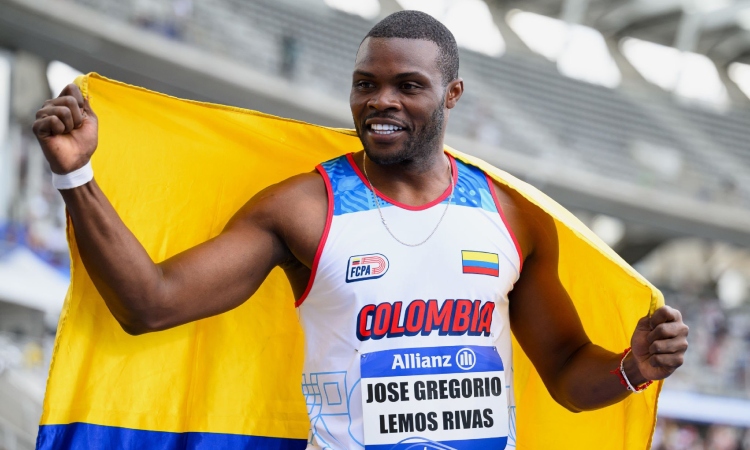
x=176 y=171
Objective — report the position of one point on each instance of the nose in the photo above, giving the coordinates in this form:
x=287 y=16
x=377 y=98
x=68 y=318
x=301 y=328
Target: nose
x=384 y=100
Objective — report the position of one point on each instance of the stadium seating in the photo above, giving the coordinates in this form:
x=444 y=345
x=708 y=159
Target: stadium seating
x=513 y=100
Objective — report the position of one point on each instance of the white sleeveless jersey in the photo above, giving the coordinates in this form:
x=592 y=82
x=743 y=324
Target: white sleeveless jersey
x=409 y=347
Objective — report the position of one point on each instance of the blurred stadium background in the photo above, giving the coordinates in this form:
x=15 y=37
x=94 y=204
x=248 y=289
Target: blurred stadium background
x=632 y=113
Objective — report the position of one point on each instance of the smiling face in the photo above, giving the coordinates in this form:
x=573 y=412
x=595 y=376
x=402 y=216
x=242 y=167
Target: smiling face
x=399 y=100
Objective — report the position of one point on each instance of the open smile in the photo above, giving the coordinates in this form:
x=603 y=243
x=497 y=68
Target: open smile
x=384 y=128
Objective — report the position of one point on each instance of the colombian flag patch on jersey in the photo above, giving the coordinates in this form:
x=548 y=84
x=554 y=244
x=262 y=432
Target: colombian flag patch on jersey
x=481 y=263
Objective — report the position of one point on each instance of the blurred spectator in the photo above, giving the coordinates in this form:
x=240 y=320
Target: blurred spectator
x=166 y=17
x=680 y=435
x=722 y=437
x=692 y=274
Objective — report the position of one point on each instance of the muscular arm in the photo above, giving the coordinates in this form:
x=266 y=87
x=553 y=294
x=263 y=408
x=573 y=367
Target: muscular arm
x=543 y=318
x=208 y=279
x=277 y=227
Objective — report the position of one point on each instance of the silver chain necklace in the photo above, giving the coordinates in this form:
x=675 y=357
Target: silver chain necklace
x=380 y=211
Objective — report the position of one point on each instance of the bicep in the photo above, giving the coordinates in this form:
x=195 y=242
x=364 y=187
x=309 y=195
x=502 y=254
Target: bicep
x=221 y=273
x=543 y=317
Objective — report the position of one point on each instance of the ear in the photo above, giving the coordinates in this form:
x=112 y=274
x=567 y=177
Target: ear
x=453 y=92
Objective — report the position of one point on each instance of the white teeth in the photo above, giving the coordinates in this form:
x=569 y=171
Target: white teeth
x=384 y=128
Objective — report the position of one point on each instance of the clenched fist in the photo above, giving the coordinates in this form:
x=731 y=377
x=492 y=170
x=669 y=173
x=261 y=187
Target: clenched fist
x=659 y=343
x=67 y=130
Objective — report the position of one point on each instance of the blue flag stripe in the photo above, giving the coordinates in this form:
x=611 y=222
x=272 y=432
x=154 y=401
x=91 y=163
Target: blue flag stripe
x=488 y=265
x=85 y=436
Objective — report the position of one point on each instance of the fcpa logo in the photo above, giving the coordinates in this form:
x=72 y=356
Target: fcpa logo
x=366 y=267
x=466 y=358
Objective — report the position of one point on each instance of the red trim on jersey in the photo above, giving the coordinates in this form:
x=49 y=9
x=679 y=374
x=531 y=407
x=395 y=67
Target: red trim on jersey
x=482 y=270
x=323 y=238
x=491 y=186
x=445 y=194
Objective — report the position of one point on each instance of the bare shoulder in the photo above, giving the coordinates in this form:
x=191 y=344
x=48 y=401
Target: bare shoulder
x=533 y=227
x=294 y=210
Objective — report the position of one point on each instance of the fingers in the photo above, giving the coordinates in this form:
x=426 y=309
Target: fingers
x=73 y=106
x=668 y=330
x=665 y=314
x=659 y=343
x=668 y=343
x=70 y=119
x=669 y=361
x=48 y=126
x=67 y=112
x=677 y=345
x=72 y=90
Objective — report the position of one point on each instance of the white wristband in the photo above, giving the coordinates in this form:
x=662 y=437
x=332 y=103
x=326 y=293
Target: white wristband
x=634 y=389
x=76 y=178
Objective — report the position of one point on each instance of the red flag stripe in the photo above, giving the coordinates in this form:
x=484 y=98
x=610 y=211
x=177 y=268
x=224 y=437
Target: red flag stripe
x=482 y=271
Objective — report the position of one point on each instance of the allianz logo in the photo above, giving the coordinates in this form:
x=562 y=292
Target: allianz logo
x=465 y=359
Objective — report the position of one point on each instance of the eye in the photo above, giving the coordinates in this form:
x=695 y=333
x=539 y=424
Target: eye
x=409 y=86
x=363 y=84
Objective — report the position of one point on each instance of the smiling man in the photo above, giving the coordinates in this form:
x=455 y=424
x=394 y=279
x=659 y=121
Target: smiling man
x=409 y=267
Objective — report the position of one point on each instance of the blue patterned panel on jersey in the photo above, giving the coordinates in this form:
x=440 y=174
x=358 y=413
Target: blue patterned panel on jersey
x=472 y=189
x=349 y=192
x=351 y=195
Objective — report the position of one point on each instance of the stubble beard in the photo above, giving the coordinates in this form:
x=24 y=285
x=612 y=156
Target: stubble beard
x=418 y=146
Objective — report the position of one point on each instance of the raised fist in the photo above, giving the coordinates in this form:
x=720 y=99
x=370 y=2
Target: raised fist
x=67 y=130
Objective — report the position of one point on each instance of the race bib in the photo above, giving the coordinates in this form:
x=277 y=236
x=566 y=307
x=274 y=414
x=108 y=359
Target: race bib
x=434 y=398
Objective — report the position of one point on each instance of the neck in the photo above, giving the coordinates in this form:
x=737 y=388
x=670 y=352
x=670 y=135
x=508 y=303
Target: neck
x=413 y=182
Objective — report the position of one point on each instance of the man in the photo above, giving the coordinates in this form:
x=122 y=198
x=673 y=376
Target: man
x=409 y=267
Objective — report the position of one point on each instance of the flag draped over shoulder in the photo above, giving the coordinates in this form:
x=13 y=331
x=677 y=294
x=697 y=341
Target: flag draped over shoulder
x=176 y=171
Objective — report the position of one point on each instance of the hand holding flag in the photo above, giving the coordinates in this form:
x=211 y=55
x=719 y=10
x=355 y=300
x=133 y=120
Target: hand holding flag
x=659 y=343
x=67 y=129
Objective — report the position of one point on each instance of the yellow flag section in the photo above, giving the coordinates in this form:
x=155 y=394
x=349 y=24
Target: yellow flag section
x=176 y=171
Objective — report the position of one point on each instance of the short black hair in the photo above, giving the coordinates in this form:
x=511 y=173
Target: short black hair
x=411 y=24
